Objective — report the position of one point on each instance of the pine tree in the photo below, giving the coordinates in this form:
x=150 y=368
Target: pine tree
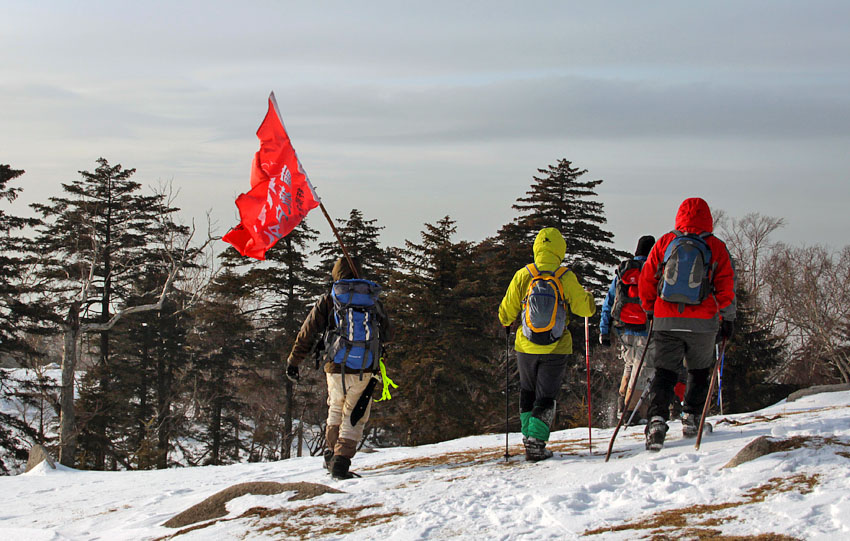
x=279 y=292
x=13 y=313
x=12 y=245
x=441 y=346
x=361 y=240
x=221 y=343
x=561 y=199
x=751 y=355
x=149 y=368
x=92 y=248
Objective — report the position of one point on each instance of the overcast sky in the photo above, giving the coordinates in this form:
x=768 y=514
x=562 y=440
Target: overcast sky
x=413 y=112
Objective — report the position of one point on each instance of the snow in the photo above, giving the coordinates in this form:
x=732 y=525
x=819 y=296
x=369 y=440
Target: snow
x=463 y=489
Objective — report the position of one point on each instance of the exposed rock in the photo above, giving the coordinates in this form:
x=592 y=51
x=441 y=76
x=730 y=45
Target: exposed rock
x=215 y=506
x=817 y=389
x=764 y=445
x=39 y=454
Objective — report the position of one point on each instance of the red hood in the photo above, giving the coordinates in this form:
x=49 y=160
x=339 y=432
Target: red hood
x=694 y=216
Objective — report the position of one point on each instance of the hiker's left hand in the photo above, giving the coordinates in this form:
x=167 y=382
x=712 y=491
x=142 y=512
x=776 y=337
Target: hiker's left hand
x=292 y=373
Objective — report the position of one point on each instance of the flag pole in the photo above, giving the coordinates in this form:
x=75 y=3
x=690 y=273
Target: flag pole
x=339 y=240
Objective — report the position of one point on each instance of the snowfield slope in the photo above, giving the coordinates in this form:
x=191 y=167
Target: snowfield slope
x=464 y=489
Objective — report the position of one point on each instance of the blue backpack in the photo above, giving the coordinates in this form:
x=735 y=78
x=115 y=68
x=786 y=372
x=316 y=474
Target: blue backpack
x=353 y=340
x=685 y=274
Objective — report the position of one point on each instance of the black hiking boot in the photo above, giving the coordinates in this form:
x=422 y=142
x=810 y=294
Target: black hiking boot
x=690 y=426
x=339 y=467
x=328 y=455
x=655 y=432
x=535 y=450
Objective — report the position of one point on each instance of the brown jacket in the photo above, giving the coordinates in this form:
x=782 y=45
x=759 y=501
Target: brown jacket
x=321 y=317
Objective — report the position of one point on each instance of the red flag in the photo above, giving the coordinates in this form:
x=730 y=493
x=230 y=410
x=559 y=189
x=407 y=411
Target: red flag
x=281 y=194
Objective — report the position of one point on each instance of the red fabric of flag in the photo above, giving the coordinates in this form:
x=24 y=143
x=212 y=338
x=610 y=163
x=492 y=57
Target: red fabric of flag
x=280 y=196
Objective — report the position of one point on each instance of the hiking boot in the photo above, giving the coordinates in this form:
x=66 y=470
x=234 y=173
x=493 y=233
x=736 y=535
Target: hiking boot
x=655 y=432
x=328 y=455
x=690 y=425
x=339 y=467
x=535 y=450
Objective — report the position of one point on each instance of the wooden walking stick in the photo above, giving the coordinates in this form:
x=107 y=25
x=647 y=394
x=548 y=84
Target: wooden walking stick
x=710 y=392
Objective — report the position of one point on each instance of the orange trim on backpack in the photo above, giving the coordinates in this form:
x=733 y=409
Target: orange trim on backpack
x=556 y=277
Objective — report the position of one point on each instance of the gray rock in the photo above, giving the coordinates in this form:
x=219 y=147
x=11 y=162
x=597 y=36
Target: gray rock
x=39 y=454
x=817 y=389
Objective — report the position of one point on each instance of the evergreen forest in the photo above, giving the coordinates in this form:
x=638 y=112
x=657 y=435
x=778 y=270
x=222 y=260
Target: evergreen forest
x=172 y=347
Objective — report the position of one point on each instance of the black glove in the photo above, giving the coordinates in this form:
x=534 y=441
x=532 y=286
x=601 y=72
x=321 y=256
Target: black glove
x=649 y=317
x=292 y=373
x=507 y=331
x=605 y=340
x=727 y=329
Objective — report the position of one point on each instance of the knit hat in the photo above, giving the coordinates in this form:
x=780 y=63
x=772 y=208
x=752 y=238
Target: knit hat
x=645 y=245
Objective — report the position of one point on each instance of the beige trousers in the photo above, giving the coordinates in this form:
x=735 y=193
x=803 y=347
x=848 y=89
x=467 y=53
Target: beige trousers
x=631 y=350
x=339 y=410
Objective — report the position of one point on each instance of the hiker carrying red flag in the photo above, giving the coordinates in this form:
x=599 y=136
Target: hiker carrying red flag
x=351 y=361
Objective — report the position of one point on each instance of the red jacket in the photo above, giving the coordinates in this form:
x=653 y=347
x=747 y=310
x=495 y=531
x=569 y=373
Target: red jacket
x=694 y=216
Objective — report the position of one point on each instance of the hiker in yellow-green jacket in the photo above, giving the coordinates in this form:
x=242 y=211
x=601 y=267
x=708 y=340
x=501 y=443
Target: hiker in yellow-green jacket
x=542 y=293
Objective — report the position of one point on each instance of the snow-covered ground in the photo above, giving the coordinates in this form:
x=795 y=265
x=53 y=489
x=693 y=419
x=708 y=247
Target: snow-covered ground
x=463 y=489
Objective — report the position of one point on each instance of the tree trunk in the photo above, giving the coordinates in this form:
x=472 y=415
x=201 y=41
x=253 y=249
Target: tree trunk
x=163 y=411
x=67 y=420
x=286 y=440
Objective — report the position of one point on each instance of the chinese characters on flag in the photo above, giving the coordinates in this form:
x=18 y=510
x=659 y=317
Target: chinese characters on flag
x=280 y=196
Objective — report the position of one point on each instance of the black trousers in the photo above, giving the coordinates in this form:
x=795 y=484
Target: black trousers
x=696 y=351
x=540 y=377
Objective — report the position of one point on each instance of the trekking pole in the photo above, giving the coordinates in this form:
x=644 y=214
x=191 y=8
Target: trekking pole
x=639 y=402
x=720 y=384
x=629 y=392
x=587 y=359
x=714 y=373
x=507 y=387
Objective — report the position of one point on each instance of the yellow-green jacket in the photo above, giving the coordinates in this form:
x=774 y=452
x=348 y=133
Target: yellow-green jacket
x=549 y=251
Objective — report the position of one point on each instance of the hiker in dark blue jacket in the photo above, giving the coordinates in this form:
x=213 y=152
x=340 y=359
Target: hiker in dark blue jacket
x=622 y=313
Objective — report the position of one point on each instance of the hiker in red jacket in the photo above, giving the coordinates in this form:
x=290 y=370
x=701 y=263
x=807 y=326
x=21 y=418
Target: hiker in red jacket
x=688 y=286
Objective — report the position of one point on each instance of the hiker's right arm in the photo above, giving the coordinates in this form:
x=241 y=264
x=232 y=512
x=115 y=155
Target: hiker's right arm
x=512 y=302
x=311 y=330
x=580 y=300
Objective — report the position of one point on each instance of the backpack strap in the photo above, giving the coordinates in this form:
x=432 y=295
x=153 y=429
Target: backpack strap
x=558 y=273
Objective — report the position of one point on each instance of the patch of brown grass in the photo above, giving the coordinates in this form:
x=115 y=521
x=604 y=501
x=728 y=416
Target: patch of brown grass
x=703 y=534
x=318 y=520
x=474 y=457
x=305 y=522
x=688 y=522
x=454 y=459
x=764 y=419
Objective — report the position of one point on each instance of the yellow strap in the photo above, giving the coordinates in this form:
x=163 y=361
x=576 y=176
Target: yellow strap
x=562 y=298
x=385 y=394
